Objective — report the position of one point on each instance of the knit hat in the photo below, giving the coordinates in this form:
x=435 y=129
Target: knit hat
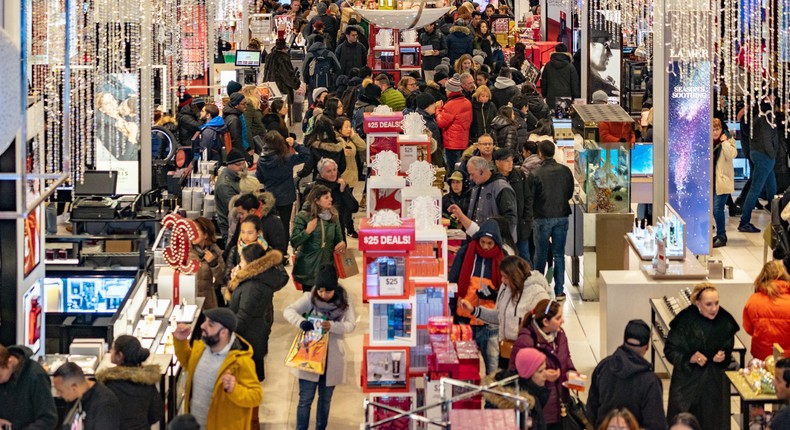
x=503 y=154
x=446 y=61
x=321 y=9
x=424 y=100
x=185 y=99
x=637 y=333
x=199 y=101
x=456 y=176
x=249 y=184
x=318 y=91
x=236 y=99
x=326 y=277
x=233 y=87
x=528 y=361
x=600 y=97
x=479 y=59
x=453 y=85
x=223 y=316
x=438 y=76
x=184 y=422
x=372 y=92
x=234 y=156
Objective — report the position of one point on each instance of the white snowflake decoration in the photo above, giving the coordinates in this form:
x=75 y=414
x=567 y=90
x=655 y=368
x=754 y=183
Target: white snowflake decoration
x=421 y=174
x=386 y=164
x=382 y=110
x=385 y=218
x=409 y=36
x=426 y=212
x=384 y=38
x=413 y=124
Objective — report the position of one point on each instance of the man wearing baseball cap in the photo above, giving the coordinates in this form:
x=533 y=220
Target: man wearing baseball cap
x=626 y=380
x=222 y=388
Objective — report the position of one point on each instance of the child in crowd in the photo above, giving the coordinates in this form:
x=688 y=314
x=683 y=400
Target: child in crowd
x=251 y=231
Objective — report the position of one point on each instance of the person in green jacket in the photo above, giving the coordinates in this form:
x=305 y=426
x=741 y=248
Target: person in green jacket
x=315 y=236
x=390 y=96
x=254 y=116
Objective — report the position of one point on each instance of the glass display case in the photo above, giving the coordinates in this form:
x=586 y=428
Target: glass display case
x=604 y=174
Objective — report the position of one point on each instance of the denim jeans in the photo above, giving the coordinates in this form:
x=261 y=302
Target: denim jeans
x=452 y=156
x=718 y=214
x=487 y=339
x=762 y=177
x=555 y=229
x=523 y=250
x=307 y=391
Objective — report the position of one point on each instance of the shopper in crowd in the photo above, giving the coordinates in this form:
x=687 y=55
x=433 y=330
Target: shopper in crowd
x=184 y=422
x=227 y=187
x=503 y=159
x=724 y=151
x=212 y=134
x=537 y=107
x=389 y=96
x=684 y=421
x=366 y=102
x=434 y=38
x=95 y=406
x=342 y=197
x=531 y=371
x=468 y=86
x=409 y=88
x=210 y=275
x=522 y=288
x=334 y=305
x=250 y=296
x=426 y=107
x=274 y=120
x=323 y=143
x=280 y=70
x=455 y=120
x=542 y=329
x=320 y=64
x=505 y=129
x=625 y=380
x=610 y=132
x=352 y=146
x=505 y=88
x=463 y=64
x=520 y=115
x=531 y=158
x=482 y=42
x=435 y=87
x=559 y=78
x=233 y=114
x=476 y=271
x=483 y=113
x=253 y=115
x=221 y=387
x=261 y=204
x=766 y=315
x=351 y=53
x=328 y=23
x=316 y=106
x=764 y=148
x=699 y=345
x=458 y=195
x=134 y=384
x=25 y=392
x=482 y=79
x=250 y=232
x=333 y=108
x=275 y=172
x=781 y=421
x=484 y=147
x=519 y=59
x=619 y=419
x=188 y=118
x=316 y=236
x=459 y=41
x=552 y=188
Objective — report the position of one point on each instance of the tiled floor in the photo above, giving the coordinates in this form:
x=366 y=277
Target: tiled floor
x=278 y=410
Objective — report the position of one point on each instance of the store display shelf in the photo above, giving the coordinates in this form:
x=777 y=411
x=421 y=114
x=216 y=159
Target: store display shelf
x=409 y=45
x=380 y=182
x=384 y=48
x=436 y=233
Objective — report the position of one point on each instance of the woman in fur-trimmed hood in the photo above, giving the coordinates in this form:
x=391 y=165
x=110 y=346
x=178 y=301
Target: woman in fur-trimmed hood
x=134 y=384
x=250 y=295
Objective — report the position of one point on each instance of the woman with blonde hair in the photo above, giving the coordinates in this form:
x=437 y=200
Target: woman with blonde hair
x=766 y=315
x=699 y=347
x=483 y=113
x=253 y=115
x=464 y=64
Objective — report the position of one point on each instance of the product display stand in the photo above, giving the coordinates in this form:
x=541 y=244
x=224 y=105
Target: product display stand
x=382 y=127
x=394 y=52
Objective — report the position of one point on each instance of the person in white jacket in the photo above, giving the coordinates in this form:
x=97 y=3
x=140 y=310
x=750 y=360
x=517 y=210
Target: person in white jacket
x=525 y=288
x=329 y=301
x=724 y=151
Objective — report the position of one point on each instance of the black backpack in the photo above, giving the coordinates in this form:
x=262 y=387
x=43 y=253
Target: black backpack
x=321 y=72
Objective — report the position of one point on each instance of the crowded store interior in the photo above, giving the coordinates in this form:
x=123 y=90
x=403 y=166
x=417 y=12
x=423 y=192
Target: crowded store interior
x=488 y=214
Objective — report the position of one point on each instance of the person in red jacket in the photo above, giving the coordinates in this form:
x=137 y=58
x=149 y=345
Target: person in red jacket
x=617 y=132
x=455 y=120
x=766 y=315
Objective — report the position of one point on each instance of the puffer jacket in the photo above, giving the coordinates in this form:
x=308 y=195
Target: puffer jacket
x=524 y=203
x=235 y=121
x=459 y=42
x=136 y=389
x=724 y=179
x=326 y=149
x=483 y=115
x=277 y=174
x=510 y=313
x=767 y=320
x=313 y=249
x=188 y=124
x=210 y=276
x=351 y=55
x=505 y=133
x=352 y=145
x=455 y=121
x=273 y=230
x=559 y=78
x=250 y=295
x=504 y=91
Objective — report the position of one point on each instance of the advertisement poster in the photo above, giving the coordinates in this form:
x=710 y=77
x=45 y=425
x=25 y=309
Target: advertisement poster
x=118 y=129
x=32 y=243
x=688 y=143
x=605 y=42
x=558 y=25
x=34 y=314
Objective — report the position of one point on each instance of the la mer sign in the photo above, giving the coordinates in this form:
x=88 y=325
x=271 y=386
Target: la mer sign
x=396 y=238
x=383 y=123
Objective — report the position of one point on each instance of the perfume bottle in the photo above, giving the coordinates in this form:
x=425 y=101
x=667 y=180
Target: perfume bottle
x=34 y=321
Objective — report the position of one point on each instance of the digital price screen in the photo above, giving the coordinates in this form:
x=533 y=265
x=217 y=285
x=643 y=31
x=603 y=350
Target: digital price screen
x=248 y=58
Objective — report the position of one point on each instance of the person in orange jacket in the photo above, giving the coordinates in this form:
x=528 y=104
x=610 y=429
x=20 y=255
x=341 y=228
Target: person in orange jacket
x=766 y=315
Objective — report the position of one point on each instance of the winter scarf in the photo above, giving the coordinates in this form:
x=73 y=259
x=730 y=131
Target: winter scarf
x=328 y=309
x=240 y=243
x=467 y=270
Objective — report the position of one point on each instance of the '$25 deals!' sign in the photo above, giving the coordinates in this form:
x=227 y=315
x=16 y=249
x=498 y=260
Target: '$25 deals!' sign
x=182 y=233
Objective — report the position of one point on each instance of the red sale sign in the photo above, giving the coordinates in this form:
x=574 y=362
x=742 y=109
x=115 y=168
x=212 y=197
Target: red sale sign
x=390 y=123
x=396 y=238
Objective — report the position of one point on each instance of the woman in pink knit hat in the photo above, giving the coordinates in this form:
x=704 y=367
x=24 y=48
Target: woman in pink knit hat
x=531 y=368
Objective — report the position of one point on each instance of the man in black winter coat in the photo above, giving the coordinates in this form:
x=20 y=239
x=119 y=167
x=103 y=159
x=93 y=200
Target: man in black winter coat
x=559 y=78
x=25 y=392
x=351 y=53
x=504 y=89
x=188 y=119
x=626 y=380
x=459 y=41
x=435 y=39
x=92 y=400
x=503 y=159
